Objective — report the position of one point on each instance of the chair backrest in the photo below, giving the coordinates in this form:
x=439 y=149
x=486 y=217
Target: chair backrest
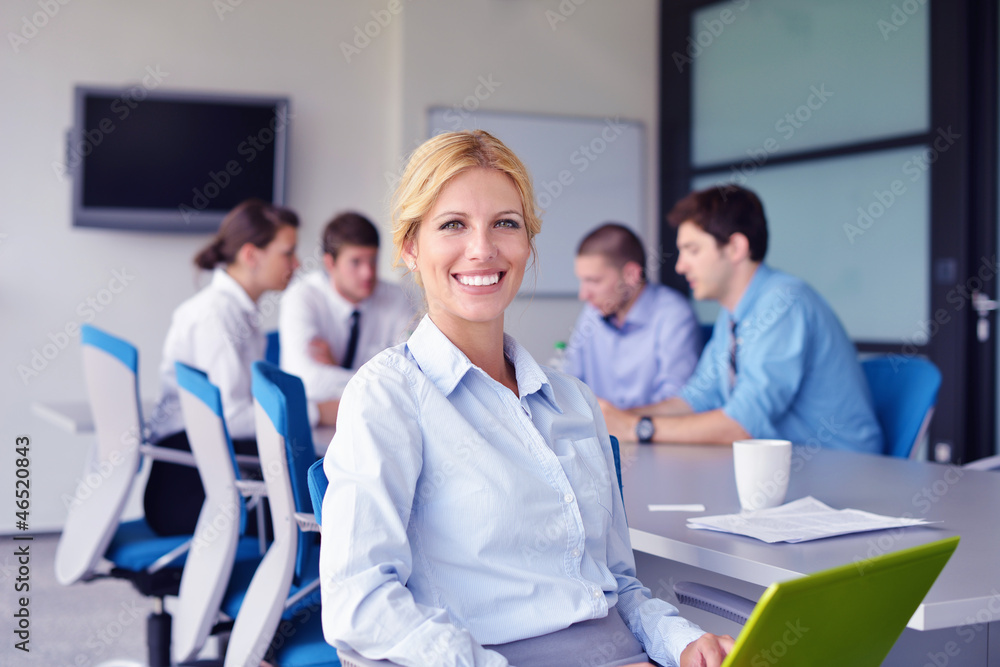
x=222 y=518
x=706 y=333
x=317 y=489
x=904 y=390
x=272 y=353
x=618 y=465
x=110 y=368
x=283 y=399
x=284 y=441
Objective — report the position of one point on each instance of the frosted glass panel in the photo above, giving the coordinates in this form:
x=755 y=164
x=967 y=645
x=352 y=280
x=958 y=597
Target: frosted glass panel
x=774 y=77
x=857 y=229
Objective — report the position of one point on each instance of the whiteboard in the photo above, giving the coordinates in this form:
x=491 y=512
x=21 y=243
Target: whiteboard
x=586 y=171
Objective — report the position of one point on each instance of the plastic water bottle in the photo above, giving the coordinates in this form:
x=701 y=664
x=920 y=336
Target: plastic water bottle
x=558 y=360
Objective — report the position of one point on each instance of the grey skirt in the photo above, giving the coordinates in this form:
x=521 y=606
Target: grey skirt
x=601 y=642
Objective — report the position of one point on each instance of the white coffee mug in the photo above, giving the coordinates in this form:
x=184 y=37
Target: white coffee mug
x=762 y=468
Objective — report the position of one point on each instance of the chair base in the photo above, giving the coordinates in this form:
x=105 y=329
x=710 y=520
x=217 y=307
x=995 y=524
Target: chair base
x=157 y=584
x=158 y=638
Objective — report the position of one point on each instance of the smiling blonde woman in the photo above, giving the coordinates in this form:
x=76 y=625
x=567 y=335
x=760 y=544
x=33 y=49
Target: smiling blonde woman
x=472 y=516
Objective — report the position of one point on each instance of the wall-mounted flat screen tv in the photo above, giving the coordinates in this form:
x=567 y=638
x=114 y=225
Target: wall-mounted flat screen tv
x=173 y=161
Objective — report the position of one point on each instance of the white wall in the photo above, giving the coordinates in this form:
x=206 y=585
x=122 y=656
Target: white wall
x=600 y=60
x=352 y=123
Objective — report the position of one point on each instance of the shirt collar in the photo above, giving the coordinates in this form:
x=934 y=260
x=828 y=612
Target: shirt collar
x=752 y=293
x=342 y=305
x=445 y=365
x=637 y=315
x=224 y=282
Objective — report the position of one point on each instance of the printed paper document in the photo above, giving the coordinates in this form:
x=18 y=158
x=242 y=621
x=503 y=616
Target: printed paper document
x=799 y=521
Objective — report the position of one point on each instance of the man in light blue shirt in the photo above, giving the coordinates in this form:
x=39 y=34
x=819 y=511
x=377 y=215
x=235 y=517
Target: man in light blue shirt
x=634 y=343
x=779 y=363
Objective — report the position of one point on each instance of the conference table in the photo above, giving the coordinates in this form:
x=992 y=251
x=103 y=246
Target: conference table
x=958 y=618
x=75 y=417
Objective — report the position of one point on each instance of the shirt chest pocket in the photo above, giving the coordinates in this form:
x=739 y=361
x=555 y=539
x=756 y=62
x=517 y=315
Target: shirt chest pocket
x=586 y=465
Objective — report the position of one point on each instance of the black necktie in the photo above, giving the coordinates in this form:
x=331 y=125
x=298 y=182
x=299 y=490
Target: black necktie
x=732 y=354
x=352 y=342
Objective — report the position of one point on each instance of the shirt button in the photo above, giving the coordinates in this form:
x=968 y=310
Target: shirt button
x=597 y=592
x=568 y=498
x=575 y=553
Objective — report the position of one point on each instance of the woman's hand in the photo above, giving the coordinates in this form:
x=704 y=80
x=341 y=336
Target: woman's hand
x=707 y=651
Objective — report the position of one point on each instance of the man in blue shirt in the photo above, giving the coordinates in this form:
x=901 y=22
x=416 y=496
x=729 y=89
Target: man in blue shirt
x=634 y=343
x=779 y=363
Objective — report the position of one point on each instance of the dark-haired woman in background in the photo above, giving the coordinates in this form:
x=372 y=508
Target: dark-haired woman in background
x=217 y=331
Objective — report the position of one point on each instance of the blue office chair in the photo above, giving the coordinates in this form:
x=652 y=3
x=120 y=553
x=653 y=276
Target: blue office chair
x=272 y=353
x=283 y=596
x=222 y=559
x=93 y=531
x=904 y=390
x=318 y=484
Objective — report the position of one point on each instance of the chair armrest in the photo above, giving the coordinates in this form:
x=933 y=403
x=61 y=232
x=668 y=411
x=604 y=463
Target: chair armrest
x=169 y=557
x=349 y=658
x=252 y=488
x=989 y=463
x=307 y=522
x=169 y=455
x=303 y=592
x=719 y=602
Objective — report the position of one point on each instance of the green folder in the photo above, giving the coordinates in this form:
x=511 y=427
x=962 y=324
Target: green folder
x=848 y=616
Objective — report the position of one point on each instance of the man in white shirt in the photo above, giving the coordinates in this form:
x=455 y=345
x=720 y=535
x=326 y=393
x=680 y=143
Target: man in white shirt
x=334 y=321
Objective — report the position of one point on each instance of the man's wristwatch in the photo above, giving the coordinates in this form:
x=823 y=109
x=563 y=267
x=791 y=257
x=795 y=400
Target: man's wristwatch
x=644 y=430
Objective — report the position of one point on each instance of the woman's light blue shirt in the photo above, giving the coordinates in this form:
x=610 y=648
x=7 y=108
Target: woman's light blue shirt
x=459 y=514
